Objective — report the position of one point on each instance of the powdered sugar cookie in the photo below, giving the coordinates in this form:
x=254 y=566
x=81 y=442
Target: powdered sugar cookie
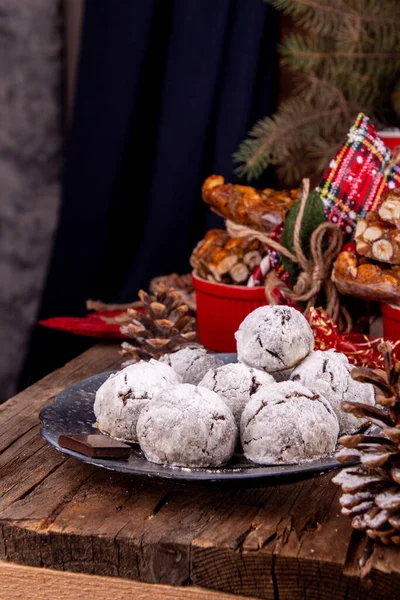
x=122 y=396
x=191 y=363
x=187 y=426
x=329 y=373
x=287 y=423
x=235 y=383
x=274 y=338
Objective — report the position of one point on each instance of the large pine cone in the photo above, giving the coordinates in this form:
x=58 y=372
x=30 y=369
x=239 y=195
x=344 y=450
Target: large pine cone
x=372 y=490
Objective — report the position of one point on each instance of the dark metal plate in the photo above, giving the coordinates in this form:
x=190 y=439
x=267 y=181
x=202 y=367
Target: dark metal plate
x=72 y=412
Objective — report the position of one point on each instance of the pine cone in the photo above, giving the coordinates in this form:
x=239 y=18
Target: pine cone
x=181 y=283
x=372 y=490
x=223 y=259
x=165 y=326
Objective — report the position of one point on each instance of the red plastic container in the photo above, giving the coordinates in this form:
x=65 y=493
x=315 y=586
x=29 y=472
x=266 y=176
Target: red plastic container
x=220 y=310
x=391 y=138
x=391 y=322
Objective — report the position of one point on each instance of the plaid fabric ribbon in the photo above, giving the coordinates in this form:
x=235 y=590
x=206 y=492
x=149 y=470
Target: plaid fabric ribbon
x=358 y=176
x=354 y=183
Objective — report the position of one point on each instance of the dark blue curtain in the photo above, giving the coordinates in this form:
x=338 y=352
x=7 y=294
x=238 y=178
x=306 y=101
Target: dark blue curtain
x=166 y=91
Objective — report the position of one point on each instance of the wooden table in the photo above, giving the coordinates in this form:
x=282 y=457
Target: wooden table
x=61 y=520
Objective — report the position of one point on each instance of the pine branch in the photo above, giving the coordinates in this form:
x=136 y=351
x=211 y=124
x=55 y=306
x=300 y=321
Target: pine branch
x=349 y=63
x=322 y=16
x=315 y=55
x=348 y=12
x=269 y=136
x=300 y=53
x=312 y=86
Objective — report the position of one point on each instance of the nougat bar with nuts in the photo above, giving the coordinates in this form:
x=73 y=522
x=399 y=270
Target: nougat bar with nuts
x=377 y=239
x=224 y=259
x=355 y=276
x=389 y=210
x=258 y=209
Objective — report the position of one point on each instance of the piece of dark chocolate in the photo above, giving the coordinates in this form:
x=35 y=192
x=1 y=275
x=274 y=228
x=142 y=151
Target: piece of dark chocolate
x=94 y=445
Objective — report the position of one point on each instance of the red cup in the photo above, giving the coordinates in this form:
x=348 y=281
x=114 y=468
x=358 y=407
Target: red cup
x=391 y=138
x=220 y=309
x=391 y=322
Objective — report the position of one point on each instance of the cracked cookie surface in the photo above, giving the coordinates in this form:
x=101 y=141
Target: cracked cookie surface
x=286 y=423
x=329 y=373
x=187 y=426
x=191 y=363
x=122 y=396
x=236 y=383
x=274 y=338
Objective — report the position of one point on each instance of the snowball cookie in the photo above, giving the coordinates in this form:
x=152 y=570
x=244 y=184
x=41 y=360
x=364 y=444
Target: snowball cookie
x=187 y=426
x=235 y=384
x=191 y=363
x=122 y=396
x=287 y=423
x=328 y=372
x=274 y=338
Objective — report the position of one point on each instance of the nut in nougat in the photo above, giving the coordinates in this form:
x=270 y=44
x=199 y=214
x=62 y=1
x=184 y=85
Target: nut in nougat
x=389 y=210
x=372 y=233
x=382 y=250
x=222 y=259
x=378 y=240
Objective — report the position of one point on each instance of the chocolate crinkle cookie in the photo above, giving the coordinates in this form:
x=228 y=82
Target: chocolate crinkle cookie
x=187 y=426
x=274 y=338
x=235 y=383
x=286 y=423
x=191 y=363
x=122 y=396
x=328 y=372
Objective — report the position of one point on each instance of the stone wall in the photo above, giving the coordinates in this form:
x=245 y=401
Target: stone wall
x=31 y=145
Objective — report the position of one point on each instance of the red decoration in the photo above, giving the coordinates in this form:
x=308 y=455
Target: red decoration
x=360 y=349
x=93 y=325
x=324 y=328
x=349 y=247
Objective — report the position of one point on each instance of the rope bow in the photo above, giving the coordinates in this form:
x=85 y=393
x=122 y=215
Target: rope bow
x=325 y=244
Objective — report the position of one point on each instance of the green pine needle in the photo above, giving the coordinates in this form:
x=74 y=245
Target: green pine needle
x=348 y=61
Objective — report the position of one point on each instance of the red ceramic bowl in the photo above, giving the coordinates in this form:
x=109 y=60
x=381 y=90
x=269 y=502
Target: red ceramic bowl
x=391 y=322
x=220 y=309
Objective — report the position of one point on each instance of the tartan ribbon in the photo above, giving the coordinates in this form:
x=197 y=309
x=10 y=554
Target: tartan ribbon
x=358 y=176
x=354 y=182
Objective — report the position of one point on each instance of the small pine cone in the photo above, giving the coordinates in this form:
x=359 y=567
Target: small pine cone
x=371 y=490
x=224 y=259
x=165 y=326
x=181 y=283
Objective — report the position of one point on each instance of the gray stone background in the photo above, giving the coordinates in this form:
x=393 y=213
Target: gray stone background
x=31 y=150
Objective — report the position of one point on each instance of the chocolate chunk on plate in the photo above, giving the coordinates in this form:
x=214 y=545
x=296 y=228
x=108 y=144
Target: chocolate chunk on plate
x=94 y=445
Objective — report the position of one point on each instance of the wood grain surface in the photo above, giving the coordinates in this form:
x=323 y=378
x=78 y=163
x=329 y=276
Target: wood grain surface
x=284 y=542
x=31 y=583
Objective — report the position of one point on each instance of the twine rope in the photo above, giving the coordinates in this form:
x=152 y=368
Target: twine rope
x=325 y=244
